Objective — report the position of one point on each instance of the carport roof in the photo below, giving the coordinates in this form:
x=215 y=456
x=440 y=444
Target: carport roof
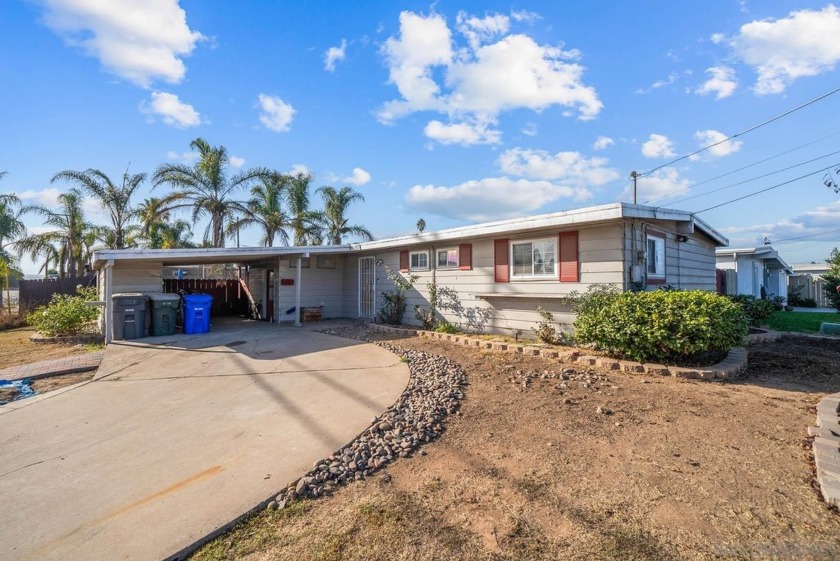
x=208 y=256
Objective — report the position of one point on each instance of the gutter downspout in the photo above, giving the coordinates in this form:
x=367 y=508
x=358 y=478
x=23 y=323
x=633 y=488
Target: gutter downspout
x=109 y=304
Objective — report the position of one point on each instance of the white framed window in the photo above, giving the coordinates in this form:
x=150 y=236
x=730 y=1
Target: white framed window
x=533 y=258
x=447 y=258
x=304 y=263
x=418 y=260
x=655 y=256
x=325 y=262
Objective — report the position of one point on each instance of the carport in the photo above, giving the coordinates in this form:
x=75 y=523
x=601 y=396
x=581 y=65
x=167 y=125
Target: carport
x=140 y=270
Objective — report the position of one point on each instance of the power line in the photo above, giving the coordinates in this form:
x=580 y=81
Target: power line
x=807 y=236
x=743 y=132
x=780 y=154
x=753 y=179
x=788 y=182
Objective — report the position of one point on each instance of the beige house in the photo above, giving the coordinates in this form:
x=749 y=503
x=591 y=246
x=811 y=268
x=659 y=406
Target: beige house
x=489 y=277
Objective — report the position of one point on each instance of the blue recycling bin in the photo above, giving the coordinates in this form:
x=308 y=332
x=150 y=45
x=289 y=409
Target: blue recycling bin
x=197 y=313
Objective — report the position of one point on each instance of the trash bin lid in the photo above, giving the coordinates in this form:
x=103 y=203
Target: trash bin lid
x=162 y=296
x=128 y=295
x=198 y=298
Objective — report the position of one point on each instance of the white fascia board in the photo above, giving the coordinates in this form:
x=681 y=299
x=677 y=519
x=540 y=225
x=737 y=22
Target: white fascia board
x=211 y=255
x=601 y=213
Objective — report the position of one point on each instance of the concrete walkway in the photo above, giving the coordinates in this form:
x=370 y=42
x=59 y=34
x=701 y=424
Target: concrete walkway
x=177 y=436
x=55 y=367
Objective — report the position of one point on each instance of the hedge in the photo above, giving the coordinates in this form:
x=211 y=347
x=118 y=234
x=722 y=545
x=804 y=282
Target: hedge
x=659 y=326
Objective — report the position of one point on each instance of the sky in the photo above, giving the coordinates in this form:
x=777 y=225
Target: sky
x=454 y=112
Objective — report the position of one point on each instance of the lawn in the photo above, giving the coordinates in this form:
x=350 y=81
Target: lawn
x=801 y=322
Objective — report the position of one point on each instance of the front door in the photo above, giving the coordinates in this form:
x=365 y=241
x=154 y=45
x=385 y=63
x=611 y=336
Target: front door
x=367 y=288
x=269 y=294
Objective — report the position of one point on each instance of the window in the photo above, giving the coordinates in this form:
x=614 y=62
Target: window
x=419 y=260
x=447 y=258
x=655 y=257
x=535 y=258
x=304 y=263
x=325 y=262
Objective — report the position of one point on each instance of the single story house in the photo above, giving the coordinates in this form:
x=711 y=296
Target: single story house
x=748 y=270
x=489 y=277
x=807 y=281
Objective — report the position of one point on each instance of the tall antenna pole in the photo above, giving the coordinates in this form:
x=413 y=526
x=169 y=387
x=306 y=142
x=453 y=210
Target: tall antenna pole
x=634 y=175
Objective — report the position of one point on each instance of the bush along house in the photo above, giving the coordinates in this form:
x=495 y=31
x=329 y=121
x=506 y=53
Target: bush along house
x=484 y=277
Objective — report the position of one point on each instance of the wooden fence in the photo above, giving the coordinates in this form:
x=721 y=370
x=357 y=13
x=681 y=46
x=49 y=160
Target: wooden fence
x=228 y=296
x=37 y=292
x=810 y=287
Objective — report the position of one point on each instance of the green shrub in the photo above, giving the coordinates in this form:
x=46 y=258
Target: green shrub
x=546 y=331
x=444 y=326
x=660 y=325
x=758 y=311
x=394 y=301
x=66 y=314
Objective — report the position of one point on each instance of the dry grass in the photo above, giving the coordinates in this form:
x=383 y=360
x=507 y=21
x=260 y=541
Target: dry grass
x=17 y=349
x=680 y=470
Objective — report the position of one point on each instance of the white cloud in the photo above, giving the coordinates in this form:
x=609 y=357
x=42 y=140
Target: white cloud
x=672 y=77
x=487 y=199
x=707 y=137
x=172 y=110
x=782 y=50
x=358 y=178
x=139 y=41
x=661 y=184
x=525 y=16
x=717 y=38
x=48 y=198
x=464 y=134
x=809 y=223
x=298 y=169
x=474 y=83
x=333 y=55
x=236 y=161
x=186 y=157
x=275 y=114
x=602 y=143
x=722 y=82
x=658 y=146
x=530 y=129
x=480 y=30
x=566 y=167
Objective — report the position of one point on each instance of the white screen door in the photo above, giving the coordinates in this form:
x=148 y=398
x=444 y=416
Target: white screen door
x=367 y=288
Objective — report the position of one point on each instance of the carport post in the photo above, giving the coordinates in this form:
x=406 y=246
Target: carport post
x=108 y=309
x=297 y=292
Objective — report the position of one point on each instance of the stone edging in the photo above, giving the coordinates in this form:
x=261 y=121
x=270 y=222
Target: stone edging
x=734 y=363
x=767 y=337
x=75 y=339
x=826 y=448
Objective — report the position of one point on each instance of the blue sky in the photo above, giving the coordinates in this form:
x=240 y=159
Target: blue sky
x=455 y=112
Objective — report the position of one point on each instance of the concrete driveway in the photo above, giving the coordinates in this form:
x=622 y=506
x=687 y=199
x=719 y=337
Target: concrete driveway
x=177 y=436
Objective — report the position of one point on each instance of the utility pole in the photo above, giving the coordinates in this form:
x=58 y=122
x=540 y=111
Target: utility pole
x=634 y=175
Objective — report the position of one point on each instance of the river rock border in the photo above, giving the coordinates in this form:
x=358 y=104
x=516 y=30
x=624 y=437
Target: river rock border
x=826 y=448
x=730 y=367
x=434 y=391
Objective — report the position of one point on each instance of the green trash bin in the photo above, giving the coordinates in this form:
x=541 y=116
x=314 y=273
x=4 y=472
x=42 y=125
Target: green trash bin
x=164 y=309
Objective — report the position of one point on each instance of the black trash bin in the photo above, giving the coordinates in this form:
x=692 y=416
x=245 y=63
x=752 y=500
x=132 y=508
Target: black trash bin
x=164 y=309
x=129 y=315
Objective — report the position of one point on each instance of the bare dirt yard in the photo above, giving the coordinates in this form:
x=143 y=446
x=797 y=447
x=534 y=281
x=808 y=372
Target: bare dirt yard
x=669 y=469
x=17 y=349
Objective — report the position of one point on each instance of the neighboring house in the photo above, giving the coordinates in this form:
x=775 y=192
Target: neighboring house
x=489 y=277
x=748 y=270
x=808 y=282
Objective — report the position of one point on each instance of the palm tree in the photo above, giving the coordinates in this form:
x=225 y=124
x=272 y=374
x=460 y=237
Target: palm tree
x=303 y=222
x=205 y=187
x=156 y=228
x=173 y=235
x=115 y=200
x=68 y=236
x=333 y=218
x=265 y=209
x=11 y=228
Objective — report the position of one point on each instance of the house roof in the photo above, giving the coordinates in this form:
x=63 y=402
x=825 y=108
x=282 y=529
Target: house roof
x=569 y=218
x=812 y=268
x=767 y=253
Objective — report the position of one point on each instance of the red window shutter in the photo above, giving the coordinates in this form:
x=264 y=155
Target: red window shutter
x=569 y=267
x=502 y=273
x=465 y=256
x=404 y=261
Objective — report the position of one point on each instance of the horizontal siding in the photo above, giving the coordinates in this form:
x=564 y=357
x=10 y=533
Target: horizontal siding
x=318 y=287
x=137 y=277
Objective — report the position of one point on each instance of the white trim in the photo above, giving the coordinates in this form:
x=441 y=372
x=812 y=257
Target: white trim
x=659 y=239
x=446 y=250
x=373 y=288
x=534 y=276
x=298 y=276
x=425 y=252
